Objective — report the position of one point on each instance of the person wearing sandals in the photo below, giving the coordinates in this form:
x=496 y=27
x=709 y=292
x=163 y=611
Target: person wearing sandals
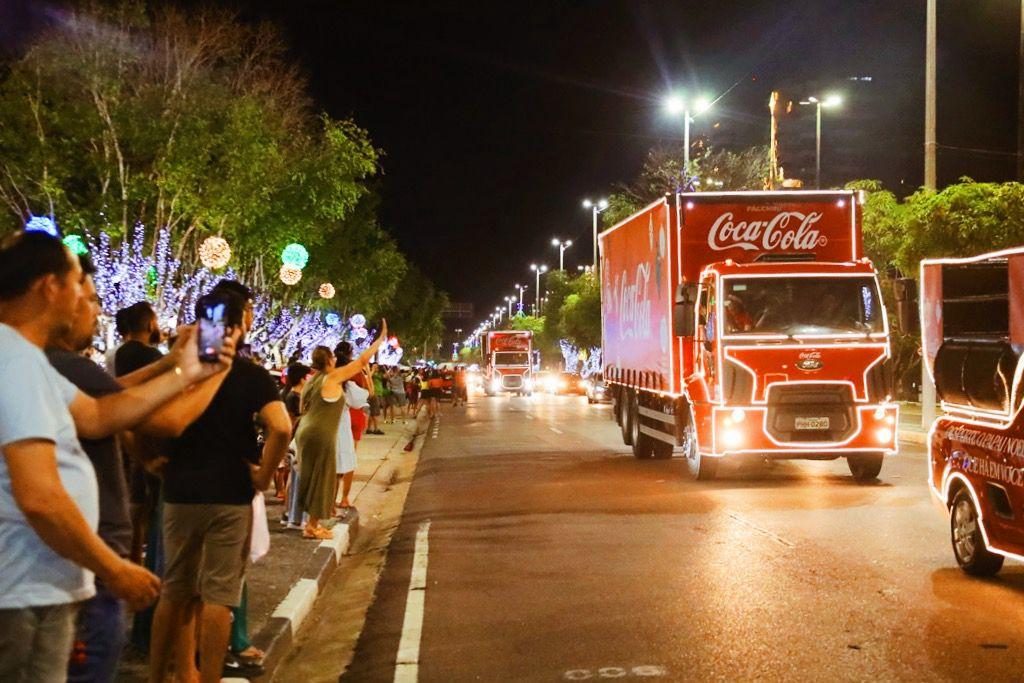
x=322 y=405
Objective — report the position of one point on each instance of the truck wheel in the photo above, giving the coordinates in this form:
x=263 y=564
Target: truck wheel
x=625 y=420
x=643 y=445
x=699 y=468
x=616 y=408
x=662 y=449
x=968 y=544
x=865 y=466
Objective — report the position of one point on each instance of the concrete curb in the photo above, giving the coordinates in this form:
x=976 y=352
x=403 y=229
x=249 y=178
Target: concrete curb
x=278 y=635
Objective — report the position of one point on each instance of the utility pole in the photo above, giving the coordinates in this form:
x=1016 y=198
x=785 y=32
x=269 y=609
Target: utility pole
x=1020 y=99
x=927 y=385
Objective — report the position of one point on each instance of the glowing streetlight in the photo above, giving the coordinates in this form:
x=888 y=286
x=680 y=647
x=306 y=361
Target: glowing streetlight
x=595 y=208
x=543 y=268
x=562 y=246
x=829 y=102
x=508 y=302
x=676 y=104
x=521 y=288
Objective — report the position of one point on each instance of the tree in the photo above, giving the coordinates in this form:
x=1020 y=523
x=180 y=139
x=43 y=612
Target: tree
x=662 y=172
x=580 y=314
x=415 y=312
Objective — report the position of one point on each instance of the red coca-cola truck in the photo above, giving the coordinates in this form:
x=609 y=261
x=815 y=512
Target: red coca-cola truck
x=972 y=324
x=508 y=367
x=747 y=324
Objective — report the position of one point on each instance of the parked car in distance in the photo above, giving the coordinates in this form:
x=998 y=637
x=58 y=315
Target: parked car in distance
x=568 y=384
x=597 y=390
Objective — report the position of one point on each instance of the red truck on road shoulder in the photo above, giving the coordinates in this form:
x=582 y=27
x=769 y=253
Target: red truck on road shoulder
x=507 y=355
x=972 y=329
x=747 y=324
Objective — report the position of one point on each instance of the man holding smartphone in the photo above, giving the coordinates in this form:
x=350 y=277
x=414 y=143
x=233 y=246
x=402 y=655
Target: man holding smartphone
x=212 y=474
x=49 y=503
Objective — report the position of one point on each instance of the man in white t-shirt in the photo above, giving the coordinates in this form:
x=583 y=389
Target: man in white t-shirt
x=49 y=549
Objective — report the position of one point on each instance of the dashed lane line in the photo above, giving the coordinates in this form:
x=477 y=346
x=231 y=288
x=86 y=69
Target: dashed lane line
x=407 y=664
x=775 y=537
x=556 y=430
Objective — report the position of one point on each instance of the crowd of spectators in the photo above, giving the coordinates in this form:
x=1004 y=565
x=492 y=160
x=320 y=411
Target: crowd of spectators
x=128 y=482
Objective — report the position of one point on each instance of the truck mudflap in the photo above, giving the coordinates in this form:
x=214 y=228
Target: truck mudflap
x=801 y=430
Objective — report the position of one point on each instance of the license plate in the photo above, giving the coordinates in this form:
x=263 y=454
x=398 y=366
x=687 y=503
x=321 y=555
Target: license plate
x=812 y=423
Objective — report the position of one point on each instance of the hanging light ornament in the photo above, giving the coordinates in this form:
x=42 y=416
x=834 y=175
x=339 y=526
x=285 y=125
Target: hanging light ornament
x=327 y=290
x=295 y=255
x=332 y=319
x=290 y=275
x=42 y=224
x=214 y=252
x=76 y=245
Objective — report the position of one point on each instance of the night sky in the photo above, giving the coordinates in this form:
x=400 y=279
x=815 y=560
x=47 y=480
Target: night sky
x=498 y=118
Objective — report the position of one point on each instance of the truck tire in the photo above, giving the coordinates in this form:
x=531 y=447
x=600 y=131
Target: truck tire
x=643 y=445
x=625 y=419
x=699 y=468
x=968 y=544
x=865 y=466
x=616 y=407
x=662 y=449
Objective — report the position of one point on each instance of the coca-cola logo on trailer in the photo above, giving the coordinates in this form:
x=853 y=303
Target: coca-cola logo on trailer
x=786 y=231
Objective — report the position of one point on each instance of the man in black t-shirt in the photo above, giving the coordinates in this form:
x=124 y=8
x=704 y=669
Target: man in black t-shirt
x=137 y=325
x=213 y=472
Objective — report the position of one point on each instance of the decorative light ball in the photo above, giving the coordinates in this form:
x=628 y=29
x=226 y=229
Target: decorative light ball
x=214 y=252
x=327 y=290
x=41 y=224
x=289 y=275
x=76 y=245
x=358 y=320
x=295 y=255
x=332 y=319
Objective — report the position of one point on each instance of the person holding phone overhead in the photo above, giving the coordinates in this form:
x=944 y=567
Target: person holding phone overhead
x=213 y=472
x=323 y=401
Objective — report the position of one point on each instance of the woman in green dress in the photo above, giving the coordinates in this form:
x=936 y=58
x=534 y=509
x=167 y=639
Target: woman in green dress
x=322 y=403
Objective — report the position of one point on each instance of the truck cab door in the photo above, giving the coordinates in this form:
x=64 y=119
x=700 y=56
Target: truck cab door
x=706 y=338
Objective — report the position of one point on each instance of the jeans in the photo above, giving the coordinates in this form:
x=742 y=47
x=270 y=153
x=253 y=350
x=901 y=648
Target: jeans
x=100 y=637
x=35 y=643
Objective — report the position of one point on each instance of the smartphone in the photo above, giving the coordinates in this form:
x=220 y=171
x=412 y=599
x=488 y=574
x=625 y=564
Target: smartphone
x=213 y=321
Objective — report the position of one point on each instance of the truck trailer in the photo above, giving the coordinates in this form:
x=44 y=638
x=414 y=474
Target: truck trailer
x=747 y=324
x=508 y=367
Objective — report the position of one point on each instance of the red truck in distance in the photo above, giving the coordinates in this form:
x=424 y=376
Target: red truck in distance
x=747 y=324
x=508 y=366
x=972 y=330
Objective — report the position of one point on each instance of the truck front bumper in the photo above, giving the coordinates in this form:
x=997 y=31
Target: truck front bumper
x=746 y=429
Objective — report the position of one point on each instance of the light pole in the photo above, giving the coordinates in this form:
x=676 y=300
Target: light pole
x=676 y=105
x=521 y=288
x=595 y=208
x=562 y=246
x=829 y=102
x=508 y=302
x=543 y=268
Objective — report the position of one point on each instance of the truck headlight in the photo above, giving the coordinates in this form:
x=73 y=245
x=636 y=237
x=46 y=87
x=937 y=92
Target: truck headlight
x=732 y=437
x=529 y=385
x=884 y=435
x=495 y=385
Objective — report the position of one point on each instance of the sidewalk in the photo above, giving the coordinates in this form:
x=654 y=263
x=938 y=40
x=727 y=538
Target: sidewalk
x=911 y=430
x=284 y=585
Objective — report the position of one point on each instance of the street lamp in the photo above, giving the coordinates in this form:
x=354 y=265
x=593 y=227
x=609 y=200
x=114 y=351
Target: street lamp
x=829 y=102
x=677 y=104
x=595 y=208
x=562 y=246
x=508 y=302
x=543 y=268
x=521 y=288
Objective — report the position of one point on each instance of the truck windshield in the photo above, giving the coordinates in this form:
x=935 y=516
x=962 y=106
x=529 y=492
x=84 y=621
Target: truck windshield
x=801 y=305
x=511 y=358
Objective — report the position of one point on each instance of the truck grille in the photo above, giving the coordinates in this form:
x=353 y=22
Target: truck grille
x=511 y=381
x=789 y=405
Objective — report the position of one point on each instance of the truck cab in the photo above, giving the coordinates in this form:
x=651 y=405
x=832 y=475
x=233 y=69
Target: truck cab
x=788 y=360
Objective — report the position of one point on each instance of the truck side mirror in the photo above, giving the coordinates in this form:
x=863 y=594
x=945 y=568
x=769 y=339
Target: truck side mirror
x=683 y=324
x=905 y=291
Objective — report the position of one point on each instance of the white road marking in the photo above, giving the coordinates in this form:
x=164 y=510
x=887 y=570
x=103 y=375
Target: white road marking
x=529 y=417
x=643 y=671
x=556 y=430
x=407 y=663
x=775 y=537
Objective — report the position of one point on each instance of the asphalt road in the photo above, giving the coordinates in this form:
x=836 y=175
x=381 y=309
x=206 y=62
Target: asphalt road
x=552 y=554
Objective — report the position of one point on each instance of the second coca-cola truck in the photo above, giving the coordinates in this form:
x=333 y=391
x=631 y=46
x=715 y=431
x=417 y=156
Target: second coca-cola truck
x=508 y=367
x=747 y=324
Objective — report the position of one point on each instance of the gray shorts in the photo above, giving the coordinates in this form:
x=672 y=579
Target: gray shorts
x=35 y=643
x=207 y=549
